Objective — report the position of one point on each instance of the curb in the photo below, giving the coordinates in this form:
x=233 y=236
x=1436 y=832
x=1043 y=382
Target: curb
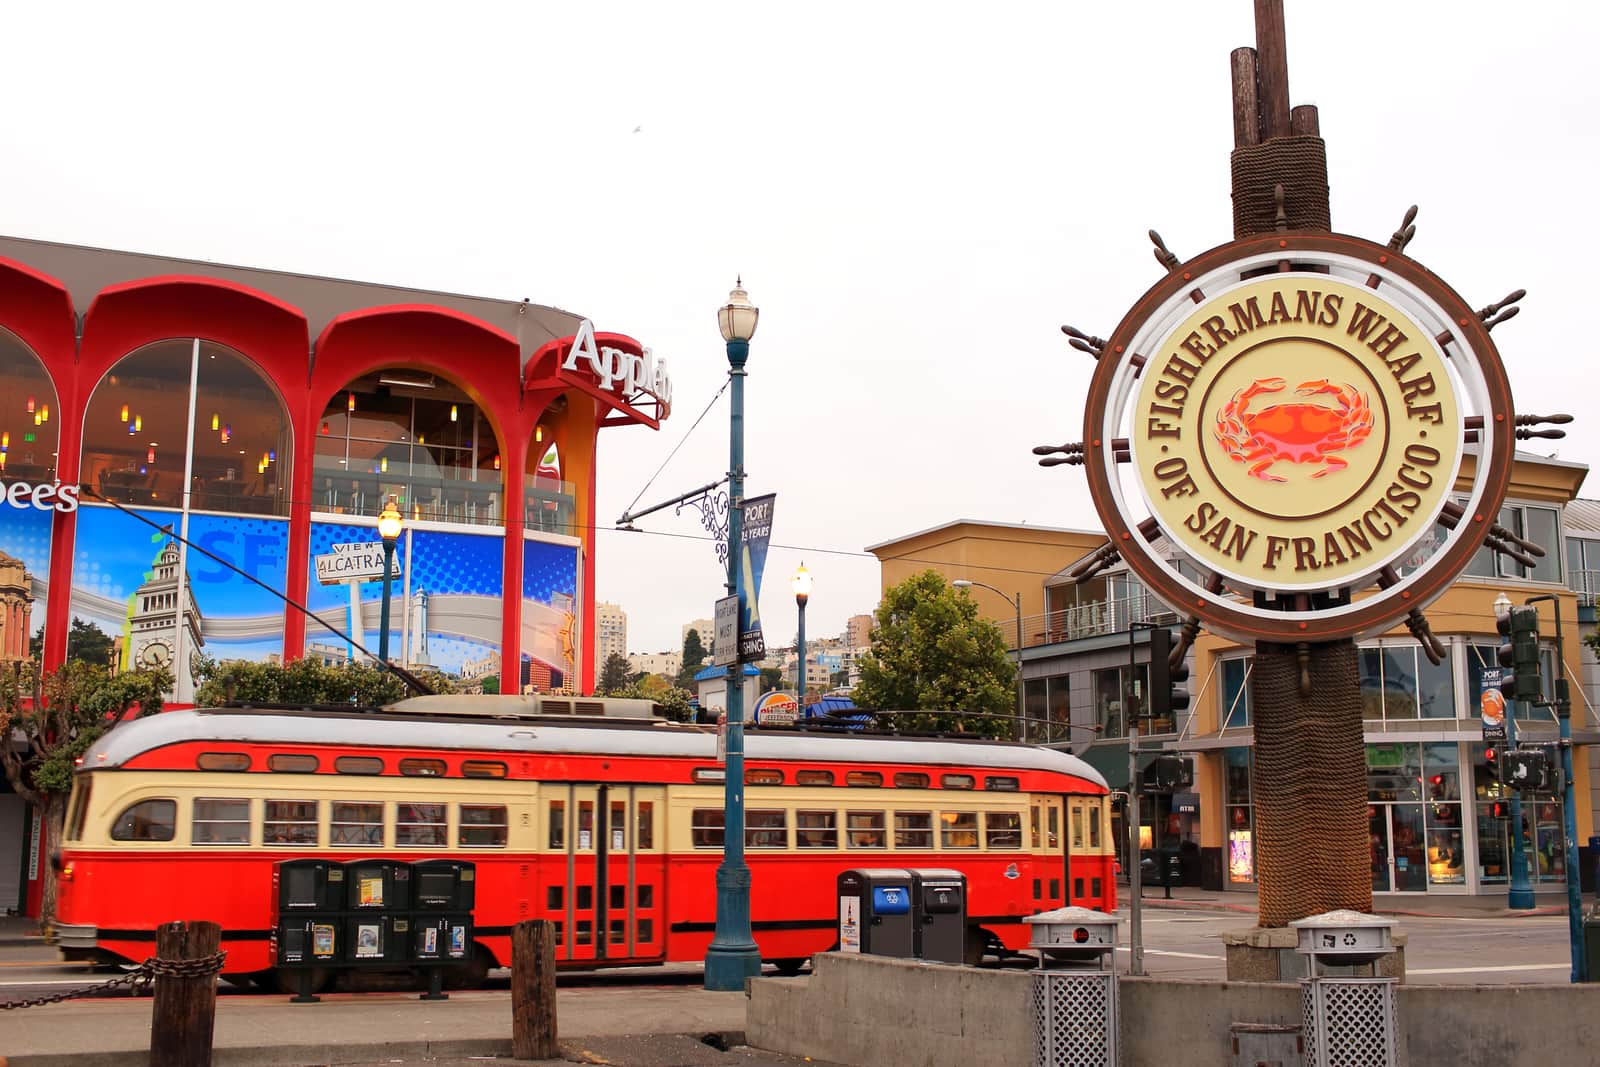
x=288 y=1055
x=1190 y=904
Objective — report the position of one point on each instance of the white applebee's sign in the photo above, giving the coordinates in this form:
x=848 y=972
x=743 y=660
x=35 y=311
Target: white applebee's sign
x=617 y=370
x=46 y=496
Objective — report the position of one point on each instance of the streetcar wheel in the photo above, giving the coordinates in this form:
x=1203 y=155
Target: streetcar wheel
x=472 y=973
x=790 y=966
x=977 y=941
x=238 y=981
x=287 y=979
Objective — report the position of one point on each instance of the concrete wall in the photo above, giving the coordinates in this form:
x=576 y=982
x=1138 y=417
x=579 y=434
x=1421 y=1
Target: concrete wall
x=870 y=1010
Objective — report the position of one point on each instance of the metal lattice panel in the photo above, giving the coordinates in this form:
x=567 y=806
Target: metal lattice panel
x=1349 y=1022
x=1075 y=1019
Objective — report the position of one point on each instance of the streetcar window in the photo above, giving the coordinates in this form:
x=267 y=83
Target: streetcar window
x=958 y=829
x=290 y=822
x=708 y=774
x=148 y=820
x=813 y=777
x=1033 y=830
x=358 y=765
x=1077 y=826
x=558 y=824
x=763 y=776
x=1094 y=826
x=482 y=768
x=956 y=781
x=913 y=829
x=1053 y=827
x=816 y=829
x=482 y=826
x=297 y=762
x=80 y=797
x=423 y=768
x=866 y=829
x=873 y=778
x=355 y=823
x=220 y=821
x=419 y=824
x=223 y=761
x=645 y=824
x=705 y=827
x=1004 y=784
x=618 y=826
x=911 y=780
x=1003 y=829
x=766 y=829
x=645 y=896
x=647 y=930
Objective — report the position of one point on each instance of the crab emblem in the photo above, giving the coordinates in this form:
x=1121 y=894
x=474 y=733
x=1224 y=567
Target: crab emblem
x=1296 y=432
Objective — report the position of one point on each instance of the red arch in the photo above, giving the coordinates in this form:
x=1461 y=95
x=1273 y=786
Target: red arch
x=482 y=359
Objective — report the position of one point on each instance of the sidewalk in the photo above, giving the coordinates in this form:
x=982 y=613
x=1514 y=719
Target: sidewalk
x=649 y=1026
x=1412 y=905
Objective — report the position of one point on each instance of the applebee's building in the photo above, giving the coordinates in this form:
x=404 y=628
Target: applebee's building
x=266 y=418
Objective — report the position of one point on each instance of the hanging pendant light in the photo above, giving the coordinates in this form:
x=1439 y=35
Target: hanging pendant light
x=452 y=413
x=383 y=465
x=5 y=439
x=496 y=462
x=30 y=405
x=124 y=413
x=538 y=433
x=132 y=429
x=350 y=403
x=215 y=420
x=138 y=423
x=44 y=412
x=150 y=456
x=227 y=433
x=37 y=419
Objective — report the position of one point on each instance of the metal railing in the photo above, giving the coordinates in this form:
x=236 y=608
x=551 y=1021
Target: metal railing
x=1586 y=584
x=1096 y=618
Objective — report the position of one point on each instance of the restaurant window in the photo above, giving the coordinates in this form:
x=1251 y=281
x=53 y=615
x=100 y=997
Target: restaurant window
x=1398 y=682
x=1235 y=692
x=419 y=824
x=1238 y=815
x=220 y=821
x=290 y=822
x=482 y=826
x=1060 y=710
x=30 y=418
x=355 y=823
x=1441 y=786
x=141 y=432
x=148 y=820
x=1542 y=526
x=415 y=436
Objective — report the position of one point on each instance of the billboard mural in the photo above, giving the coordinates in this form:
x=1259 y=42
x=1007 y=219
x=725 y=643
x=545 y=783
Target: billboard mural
x=550 y=617
x=126 y=581
x=25 y=538
x=444 y=613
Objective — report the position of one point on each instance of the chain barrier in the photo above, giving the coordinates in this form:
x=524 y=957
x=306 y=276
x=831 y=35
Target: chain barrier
x=136 y=981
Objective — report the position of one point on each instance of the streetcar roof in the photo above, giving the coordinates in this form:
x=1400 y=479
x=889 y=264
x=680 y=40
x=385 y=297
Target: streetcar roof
x=131 y=739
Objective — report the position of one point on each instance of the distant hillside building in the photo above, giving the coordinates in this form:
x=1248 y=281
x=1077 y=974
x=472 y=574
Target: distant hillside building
x=611 y=632
x=706 y=629
x=858 y=631
x=664 y=663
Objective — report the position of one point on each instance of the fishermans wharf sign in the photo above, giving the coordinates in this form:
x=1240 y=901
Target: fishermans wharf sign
x=1287 y=416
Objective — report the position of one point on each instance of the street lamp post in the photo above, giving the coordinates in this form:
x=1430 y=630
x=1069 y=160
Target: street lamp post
x=389 y=530
x=1569 y=811
x=802 y=593
x=1016 y=604
x=1520 y=893
x=733 y=956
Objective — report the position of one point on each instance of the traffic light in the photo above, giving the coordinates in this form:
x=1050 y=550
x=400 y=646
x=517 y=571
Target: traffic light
x=1519 y=654
x=1531 y=769
x=1168 y=773
x=1167 y=691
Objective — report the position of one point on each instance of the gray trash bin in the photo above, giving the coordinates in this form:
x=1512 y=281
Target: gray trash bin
x=875 y=912
x=940 y=899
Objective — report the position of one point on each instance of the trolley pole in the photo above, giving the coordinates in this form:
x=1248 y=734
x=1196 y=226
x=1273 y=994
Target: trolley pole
x=1135 y=881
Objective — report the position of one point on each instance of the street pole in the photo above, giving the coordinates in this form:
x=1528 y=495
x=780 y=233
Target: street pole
x=1135 y=878
x=1569 y=811
x=1016 y=605
x=389 y=530
x=1519 y=894
x=802 y=594
x=733 y=956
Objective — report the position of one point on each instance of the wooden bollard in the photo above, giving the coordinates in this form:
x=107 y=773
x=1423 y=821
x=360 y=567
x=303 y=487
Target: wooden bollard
x=533 y=990
x=184 y=1012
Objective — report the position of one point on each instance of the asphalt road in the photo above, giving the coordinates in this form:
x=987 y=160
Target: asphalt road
x=1177 y=944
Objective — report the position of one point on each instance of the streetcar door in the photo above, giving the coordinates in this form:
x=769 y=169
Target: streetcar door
x=1050 y=865
x=574 y=887
x=636 y=873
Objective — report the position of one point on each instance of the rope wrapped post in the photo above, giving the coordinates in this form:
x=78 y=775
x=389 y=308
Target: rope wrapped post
x=533 y=991
x=184 y=1011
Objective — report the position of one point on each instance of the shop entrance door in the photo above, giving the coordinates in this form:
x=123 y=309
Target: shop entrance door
x=1399 y=855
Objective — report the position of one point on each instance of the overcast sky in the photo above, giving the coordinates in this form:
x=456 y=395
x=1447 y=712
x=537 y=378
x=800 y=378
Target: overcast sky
x=917 y=195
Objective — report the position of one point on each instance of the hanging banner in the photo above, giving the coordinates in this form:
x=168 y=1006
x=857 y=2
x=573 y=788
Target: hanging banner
x=756 y=533
x=1492 y=706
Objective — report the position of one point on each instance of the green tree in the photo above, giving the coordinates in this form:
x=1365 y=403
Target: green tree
x=87 y=643
x=305 y=682
x=694 y=658
x=490 y=683
x=615 y=676
x=65 y=714
x=771 y=679
x=931 y=651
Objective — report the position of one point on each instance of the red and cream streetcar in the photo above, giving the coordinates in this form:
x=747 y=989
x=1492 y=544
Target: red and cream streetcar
x=589 y=813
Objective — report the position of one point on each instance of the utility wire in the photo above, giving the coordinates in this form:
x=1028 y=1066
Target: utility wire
x=680 y=444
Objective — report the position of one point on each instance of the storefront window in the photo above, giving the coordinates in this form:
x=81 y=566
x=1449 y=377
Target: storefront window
x=1442 y=784
x=1398 y=681
x=550 y=504
x=1108 y=697
x=1394 y=772
x=1060 y=708
x=29 y=427
x=1034 y=705
x=413 y=436
x=1235 y=693
x=1238 y=813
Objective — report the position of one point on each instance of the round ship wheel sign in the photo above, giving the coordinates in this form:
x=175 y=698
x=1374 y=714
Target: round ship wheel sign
x=1275 y=432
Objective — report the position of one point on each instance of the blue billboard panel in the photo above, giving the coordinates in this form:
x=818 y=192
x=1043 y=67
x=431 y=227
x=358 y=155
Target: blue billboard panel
x=551 y=622
x=25 y=537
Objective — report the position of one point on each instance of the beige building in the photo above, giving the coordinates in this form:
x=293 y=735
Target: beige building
x=666 y=664
x=707 y=630
x=858 y=631
x=611 y=634
x=1435 y=802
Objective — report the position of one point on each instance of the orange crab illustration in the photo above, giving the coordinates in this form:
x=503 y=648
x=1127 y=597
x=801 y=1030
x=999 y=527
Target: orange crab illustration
x=1295 y=432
